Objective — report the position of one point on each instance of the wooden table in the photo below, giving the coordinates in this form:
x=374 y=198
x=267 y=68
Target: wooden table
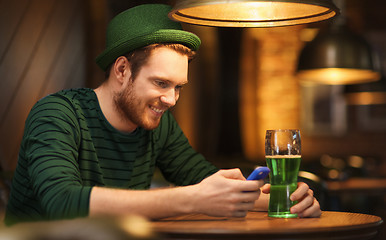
x=257 y=225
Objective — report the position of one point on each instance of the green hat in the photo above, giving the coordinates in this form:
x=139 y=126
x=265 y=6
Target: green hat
x=141 y=26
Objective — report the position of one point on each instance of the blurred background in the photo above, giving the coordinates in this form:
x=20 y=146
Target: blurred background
x=243 y=82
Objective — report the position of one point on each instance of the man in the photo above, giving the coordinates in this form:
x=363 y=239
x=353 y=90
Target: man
x=93 y=152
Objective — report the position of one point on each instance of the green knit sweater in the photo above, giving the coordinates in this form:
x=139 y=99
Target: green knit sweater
x=68 y=147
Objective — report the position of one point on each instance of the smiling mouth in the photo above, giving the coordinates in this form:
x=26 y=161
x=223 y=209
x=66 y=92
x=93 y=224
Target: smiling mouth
x=157 y=110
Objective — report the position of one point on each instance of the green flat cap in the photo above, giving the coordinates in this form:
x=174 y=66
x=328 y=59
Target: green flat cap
x=141 y=26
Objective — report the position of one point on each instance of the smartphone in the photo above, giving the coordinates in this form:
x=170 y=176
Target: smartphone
x=259 y=173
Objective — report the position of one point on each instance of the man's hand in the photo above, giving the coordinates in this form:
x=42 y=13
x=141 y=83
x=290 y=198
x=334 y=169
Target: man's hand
x=226 y=193
x=307 y=205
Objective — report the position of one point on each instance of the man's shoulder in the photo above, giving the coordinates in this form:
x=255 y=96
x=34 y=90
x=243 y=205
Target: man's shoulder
x=65 y=102
x=74 y=94
x=67 y=97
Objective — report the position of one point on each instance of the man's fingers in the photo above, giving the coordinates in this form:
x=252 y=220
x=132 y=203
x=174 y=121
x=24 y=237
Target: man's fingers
x=239 y=214
x=242 y=209
x=232 y=173
x=266 y=188
x=305 y=203
x=300 y=192
x=245 y=206
x=250 y=196
x=312 y=211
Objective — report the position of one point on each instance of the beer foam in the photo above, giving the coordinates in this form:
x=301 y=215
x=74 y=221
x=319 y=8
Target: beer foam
x=284 y=156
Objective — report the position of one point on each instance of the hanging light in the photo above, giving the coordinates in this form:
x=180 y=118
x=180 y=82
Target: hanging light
x=338 y=56
x=372 y=93
x=252 y=13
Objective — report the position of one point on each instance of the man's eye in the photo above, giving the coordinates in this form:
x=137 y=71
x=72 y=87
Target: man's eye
x=161 y=84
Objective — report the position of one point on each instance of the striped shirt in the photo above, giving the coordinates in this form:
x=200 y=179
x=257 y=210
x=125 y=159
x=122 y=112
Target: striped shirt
x=68 y=147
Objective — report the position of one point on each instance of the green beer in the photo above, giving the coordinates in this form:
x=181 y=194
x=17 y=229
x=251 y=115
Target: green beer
x=283 y=178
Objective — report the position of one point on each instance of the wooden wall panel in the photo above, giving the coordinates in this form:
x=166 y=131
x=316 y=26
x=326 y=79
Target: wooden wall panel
x=67 y=59
x=45 y=53
x=9 y=21
x=22 y=49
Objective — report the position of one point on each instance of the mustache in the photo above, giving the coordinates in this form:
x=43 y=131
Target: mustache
x=158 y=104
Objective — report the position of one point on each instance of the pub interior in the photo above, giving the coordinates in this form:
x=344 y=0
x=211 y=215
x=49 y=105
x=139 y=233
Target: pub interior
x=243 y=82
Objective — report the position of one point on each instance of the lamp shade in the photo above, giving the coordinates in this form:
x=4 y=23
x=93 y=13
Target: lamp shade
x=338 y=57
x=371 y=93
x=252 y=13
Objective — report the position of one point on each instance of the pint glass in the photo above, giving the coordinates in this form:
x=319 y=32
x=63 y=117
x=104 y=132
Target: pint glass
x=283 y=156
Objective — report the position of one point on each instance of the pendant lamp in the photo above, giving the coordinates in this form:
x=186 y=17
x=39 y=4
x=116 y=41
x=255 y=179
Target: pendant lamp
x=372 y=93
x=338 y=56
x=252 y=13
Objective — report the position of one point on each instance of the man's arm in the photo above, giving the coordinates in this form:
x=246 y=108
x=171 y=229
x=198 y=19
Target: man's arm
x=225 y=193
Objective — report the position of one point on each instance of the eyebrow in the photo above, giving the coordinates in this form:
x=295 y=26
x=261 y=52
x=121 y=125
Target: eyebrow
x=168 y=81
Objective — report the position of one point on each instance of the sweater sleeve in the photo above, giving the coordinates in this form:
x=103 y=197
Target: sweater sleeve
x=178 y=161
x=51 y=145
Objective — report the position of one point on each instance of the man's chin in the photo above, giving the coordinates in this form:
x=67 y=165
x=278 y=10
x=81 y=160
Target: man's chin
x=151 y=126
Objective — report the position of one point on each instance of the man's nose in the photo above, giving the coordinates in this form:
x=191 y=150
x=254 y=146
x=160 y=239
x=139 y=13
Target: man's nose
x=170 y=97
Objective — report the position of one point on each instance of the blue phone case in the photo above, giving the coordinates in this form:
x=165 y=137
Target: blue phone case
x=259 y=173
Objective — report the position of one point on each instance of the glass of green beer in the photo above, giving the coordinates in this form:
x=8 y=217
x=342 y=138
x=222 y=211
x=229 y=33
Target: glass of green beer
x=283 y=156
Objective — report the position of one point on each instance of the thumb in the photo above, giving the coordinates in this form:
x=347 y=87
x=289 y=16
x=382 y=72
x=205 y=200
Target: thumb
x=232 y=174
x=266 y=188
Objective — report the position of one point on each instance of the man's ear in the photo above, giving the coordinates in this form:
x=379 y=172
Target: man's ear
x=121 y=69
